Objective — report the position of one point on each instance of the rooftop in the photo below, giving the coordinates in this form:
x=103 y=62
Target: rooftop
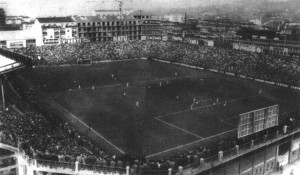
x=140 y=12
x=55 y=19
x=113 y=10
x=16 y=35
x=99 y=19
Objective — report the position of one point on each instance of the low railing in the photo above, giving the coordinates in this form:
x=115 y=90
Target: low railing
x=101 y=169
x=196 y=167
x=54 y=164
x=207 y=163
x=75 y=167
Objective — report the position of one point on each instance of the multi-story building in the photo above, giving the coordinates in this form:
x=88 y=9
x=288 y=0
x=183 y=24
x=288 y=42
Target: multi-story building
x=17 y=39
x=174 y=18
x=151 y=26
x=222 y=25
x=167 y=27
x=108 y=28
x=24 y=34
x=110 y=8
x=57 y=30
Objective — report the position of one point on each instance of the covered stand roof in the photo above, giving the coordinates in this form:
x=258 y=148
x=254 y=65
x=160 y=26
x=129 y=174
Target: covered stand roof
x=11 y=61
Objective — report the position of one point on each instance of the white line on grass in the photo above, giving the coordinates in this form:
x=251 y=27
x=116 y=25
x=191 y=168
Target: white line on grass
x=206 y=106
x=178 y=128
x=130 y=83
x=88 y=126
x=181 y=146
x=72 y=115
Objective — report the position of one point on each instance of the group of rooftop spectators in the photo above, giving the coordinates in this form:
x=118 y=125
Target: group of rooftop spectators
x=46 y=138
x=277 y=68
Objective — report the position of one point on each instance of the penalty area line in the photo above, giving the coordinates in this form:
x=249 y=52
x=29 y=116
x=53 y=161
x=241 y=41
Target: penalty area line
x=169 y=124
x=72 y=115
x=92 y=128
x=52 y=102
x=181 y=146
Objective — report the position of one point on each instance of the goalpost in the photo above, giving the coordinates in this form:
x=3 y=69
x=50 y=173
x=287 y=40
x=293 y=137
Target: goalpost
x=84 y=61
x=204 y=103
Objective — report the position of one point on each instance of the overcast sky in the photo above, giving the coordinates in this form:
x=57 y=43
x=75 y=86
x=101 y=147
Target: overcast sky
x=85 y=7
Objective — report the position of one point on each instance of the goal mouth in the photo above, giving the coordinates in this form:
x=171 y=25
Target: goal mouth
x=84 y=61
x=201 y=103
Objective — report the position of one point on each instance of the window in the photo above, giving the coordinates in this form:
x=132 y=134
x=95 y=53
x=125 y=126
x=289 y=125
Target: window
x=272 y=117
x=259 y=120
x=244 y=125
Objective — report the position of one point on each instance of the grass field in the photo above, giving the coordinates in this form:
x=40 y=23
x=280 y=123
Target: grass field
x=144 y=107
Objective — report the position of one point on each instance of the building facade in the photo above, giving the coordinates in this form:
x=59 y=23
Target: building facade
x=109 y=28
x=151 y=26
x=57 y=30
x=28 y=34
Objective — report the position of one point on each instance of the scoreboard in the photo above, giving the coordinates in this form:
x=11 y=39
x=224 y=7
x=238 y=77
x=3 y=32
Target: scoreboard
x=257 y=120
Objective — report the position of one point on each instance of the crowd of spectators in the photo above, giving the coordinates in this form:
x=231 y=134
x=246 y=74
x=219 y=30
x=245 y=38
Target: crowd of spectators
x=50 y=139
x=277 y=68
x=46 y=138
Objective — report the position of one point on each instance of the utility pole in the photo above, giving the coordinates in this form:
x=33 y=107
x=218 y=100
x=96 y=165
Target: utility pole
x=3 y=95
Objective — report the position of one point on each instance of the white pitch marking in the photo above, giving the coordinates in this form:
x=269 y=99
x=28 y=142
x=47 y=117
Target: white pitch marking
x=178 y=128
x=72 y=115
x=181 y=146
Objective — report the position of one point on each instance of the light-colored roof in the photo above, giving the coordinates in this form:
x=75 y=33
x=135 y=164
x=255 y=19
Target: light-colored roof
x=114 y=10
x=16 y=35
x=55 y=19
x=5 y=61
x=80 y=19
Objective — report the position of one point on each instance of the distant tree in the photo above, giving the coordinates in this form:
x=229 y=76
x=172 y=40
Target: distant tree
x=2 y=17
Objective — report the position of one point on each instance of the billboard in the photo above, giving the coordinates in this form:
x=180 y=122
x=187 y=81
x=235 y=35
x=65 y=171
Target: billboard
x=210 y=43
x=176 y=38
x=120 y=38
x=16 y=44
x=245 y=47
x=193 y=41
x=68 y=32
x=50 y=34
x=257 y=120
x=143 y=37
x=165 y=38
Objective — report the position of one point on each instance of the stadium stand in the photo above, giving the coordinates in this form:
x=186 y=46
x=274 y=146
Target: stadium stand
x=276 y=68
x=49 y=140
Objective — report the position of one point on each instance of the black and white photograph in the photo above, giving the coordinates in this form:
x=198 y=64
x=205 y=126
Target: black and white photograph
x=149 y=87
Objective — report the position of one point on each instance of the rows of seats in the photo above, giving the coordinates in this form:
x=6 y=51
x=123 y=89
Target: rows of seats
x=51 y=140
x=277 y=68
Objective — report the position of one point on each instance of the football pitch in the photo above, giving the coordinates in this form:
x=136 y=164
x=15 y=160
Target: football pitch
x=149 y=108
